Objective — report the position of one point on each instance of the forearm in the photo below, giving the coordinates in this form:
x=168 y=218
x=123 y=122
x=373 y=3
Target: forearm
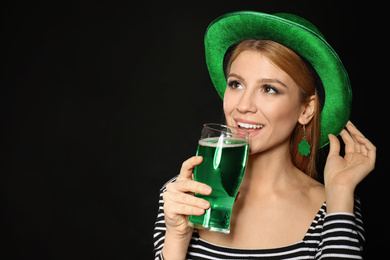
x=340 y=237
x=339 y=199
x=175 y=248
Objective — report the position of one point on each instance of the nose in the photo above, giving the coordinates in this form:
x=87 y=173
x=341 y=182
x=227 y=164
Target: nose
x=247 y=103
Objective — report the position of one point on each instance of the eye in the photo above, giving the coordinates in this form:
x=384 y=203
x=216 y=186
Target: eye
x=235 y=84
x=269 y=89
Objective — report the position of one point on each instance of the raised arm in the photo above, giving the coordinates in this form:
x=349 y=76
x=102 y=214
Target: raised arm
x=343 y=174
x=343 y=232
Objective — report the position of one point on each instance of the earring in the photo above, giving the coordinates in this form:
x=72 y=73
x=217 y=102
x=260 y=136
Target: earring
x=303 y=146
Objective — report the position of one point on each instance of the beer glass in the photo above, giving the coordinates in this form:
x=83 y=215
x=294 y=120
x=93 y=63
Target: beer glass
x=225 y=153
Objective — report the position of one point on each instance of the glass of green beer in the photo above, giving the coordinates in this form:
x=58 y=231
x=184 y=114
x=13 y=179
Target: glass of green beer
x=225 y=153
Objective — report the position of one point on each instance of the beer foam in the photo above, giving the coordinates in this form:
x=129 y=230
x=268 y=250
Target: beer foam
x=214 y=142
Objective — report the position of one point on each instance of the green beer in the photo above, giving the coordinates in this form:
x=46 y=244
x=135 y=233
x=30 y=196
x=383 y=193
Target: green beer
x=223 y=167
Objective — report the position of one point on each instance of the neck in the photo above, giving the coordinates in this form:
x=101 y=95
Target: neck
x=269 y=170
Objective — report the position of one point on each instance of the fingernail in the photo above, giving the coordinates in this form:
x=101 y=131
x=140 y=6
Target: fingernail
x=207 y=190
x=199 y=212
x=198 y=158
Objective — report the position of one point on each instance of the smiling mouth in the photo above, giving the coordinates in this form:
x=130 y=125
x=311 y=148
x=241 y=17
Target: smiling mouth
x=249 y=126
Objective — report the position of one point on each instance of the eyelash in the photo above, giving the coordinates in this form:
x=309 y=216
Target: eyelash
x=233 y=84
x=271 y=87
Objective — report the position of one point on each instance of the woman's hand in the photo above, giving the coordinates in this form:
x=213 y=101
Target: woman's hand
x=179 y=199
x=343 y=174
x=179 y=204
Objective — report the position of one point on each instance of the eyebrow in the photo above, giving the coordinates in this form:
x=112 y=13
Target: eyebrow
x=235 y=75
x=260 y=81
x=272 y=81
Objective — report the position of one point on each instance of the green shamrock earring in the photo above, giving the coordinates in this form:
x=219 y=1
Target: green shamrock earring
x=303 y=146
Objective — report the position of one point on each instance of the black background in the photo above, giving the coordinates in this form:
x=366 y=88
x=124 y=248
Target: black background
x=101 y=103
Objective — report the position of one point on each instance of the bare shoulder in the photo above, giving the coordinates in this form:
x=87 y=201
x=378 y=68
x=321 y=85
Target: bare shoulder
x=315 y=190
x=316 y=185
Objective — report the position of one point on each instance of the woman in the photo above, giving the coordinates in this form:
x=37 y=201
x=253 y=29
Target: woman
x=282 y=82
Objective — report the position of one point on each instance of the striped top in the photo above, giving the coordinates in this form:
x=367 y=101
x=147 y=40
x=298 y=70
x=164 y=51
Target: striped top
x=330 y=236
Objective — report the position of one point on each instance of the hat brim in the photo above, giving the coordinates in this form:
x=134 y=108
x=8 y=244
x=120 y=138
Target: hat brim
x=233 y=27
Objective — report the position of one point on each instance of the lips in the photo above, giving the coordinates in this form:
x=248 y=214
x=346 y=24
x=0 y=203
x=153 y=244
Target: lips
x=252 y=127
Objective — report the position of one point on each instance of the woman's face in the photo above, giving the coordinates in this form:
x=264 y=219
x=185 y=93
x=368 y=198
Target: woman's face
x=263 y=99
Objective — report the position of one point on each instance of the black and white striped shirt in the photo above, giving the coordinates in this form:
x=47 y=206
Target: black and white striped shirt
x=330 y=236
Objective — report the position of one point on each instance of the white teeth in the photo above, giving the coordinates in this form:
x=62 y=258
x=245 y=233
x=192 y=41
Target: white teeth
x=244 y=125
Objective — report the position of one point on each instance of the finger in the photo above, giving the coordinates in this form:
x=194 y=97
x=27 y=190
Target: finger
x=187 y=205
x=363 y=150
x=191 y=186
x=187 y=199
x=358 y=147
x=188 y=167
x=348 y=141
x=367 y=146
x=334 y=149
x=182 y=209
x=353 y=129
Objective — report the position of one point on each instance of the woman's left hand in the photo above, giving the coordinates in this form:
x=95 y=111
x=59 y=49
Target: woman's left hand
x=345 y=173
